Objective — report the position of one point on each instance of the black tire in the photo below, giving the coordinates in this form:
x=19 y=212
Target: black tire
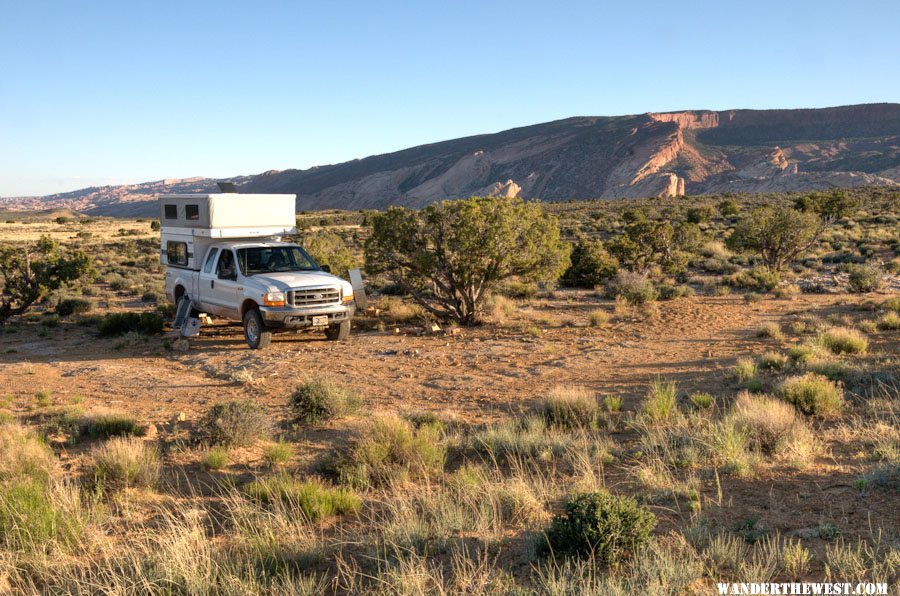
x=339 y=332
x=255 y=331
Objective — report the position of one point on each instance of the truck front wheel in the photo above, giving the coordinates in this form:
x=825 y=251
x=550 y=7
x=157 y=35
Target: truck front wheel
x=339 y=332
x=255 y=331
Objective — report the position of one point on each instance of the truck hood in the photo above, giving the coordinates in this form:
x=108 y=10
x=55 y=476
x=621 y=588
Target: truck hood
x=297 y=279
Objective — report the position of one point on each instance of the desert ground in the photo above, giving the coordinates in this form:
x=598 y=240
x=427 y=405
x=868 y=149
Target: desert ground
x=819 y=503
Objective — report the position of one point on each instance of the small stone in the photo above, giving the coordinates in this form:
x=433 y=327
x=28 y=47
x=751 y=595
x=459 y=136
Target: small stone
x=181 y=417
x=181 y=345
x=151 y=432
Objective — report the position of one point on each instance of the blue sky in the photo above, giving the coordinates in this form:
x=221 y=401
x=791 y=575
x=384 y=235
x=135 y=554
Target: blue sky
x=112 y=92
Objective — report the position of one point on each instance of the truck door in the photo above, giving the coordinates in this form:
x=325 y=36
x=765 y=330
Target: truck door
x=220 y=291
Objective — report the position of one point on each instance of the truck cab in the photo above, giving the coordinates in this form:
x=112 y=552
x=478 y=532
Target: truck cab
x=246 y=273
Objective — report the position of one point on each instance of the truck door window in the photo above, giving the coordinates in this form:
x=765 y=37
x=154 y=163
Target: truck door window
x=210 y=259
x=192 y=212
x=226 y=262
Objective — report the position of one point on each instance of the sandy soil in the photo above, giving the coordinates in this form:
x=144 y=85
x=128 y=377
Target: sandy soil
x=481 y=374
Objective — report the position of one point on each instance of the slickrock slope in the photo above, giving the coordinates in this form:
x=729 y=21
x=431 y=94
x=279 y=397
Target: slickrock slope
x=647 y=155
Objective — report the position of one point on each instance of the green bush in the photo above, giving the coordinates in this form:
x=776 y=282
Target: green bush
x=388 y=449
x=813 y=394
x=214 y=459
x=570 y=407
x=236 y=423
x=124 y=462
x=72 y=306
x=591 y=265
x=110 y=424
x=843 y=340
x=780 y=234
x=864 y=278
x=700 y=214
x=661 y=403
x=328 y=248
x=315 y=499
x=604 y=526
x=29 y=519
x=319 y=400
x=633 y=287
x=452 y=254
x=758 y=278
x=120 y=323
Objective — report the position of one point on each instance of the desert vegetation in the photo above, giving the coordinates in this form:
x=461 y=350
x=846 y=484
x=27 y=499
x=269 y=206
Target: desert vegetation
x=584 y=397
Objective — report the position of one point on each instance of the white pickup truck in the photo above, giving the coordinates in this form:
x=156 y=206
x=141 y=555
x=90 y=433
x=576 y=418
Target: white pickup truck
x=244 y=272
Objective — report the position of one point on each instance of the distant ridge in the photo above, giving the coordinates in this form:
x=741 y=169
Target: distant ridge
x=645 y=155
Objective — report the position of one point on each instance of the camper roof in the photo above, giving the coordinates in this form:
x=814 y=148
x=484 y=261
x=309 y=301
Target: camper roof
x=228 y=214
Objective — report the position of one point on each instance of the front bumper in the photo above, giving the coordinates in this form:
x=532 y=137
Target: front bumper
x=292 y=317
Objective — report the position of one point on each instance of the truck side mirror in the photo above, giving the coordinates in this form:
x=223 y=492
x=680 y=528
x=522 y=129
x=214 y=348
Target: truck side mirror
x=325 y=268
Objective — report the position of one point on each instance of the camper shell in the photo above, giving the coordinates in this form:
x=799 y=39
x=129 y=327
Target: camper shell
x=191 y=223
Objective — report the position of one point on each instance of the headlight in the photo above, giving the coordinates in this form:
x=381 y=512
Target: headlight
x=348 y=294
x=273 y=299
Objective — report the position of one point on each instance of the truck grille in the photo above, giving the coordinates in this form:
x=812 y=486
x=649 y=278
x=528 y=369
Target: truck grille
x=304 y=297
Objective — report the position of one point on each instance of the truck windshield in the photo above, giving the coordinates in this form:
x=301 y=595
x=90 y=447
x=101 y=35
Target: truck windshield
x=273 y=259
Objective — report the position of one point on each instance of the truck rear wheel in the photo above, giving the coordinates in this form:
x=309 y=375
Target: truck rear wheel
x=339 y=332
x=255 y=331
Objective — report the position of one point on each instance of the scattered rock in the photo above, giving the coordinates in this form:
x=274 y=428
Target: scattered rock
x=151 y=432
x=181 y=345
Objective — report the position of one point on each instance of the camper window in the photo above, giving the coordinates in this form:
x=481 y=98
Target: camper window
x=192 y=212
x=171 y=211
x=176 y=253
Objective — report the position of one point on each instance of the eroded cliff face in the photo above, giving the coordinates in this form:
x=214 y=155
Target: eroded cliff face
x=647 y=155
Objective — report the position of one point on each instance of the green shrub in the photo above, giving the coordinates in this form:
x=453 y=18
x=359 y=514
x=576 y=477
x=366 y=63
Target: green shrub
x=110 y=424
x=889 y=321
x=843 y=340
x=236 y=423
x=773 y=361
x=125 y=461
x=590 y=265
x=215 y=459
x=319 y=400
x=388 y=449
x=30 y=520
x=758 y=278
x=328 y=248
x=772 y=330
x=570 y=407
x=120 y=323
x=607 y=527
x=452 y=254
x=774 y=428
x=277 y=454
x=744 y=369
x=864 y=278
x=661 y=403
x=612 y=403
x=636 y=288
x=23 y=454
x=892 y=304
x=813 y=394
x=700 y=214
x=702 y=401
x=315 y=499
x=599 y=317
x=72 y=306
